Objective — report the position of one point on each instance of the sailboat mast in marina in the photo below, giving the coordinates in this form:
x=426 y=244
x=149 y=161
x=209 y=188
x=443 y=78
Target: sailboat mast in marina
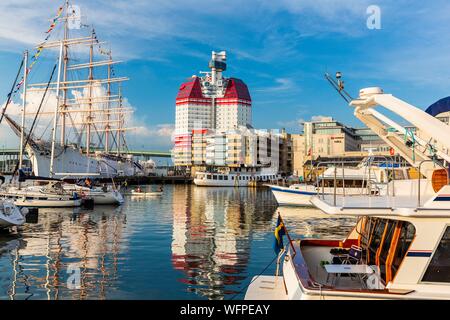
x=84 y=106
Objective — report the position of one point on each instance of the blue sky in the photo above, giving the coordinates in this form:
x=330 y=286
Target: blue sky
x=281 y=49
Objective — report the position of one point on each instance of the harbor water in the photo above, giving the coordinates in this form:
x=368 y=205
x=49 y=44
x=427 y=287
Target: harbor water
x=189 y=243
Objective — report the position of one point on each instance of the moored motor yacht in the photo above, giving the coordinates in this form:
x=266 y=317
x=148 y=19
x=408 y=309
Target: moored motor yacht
x=367 y=178
x=399 y=248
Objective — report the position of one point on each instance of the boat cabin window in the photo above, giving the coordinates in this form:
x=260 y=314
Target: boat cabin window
x=225 y=178
x=214 y=177
x=439 y=268
x=209 y=177
x=220 y=177
x=375 y=241
x=407 y=233
x=384 y=249
x=385 y=243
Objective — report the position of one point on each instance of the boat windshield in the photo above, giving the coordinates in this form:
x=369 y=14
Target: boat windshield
x=381 y=246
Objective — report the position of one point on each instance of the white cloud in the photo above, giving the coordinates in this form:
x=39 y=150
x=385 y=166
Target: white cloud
x=141 y=133
x=319 y=118
x=281 y=84
x=137 y=26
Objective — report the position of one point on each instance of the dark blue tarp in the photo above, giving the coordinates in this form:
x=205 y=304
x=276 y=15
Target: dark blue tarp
x=441 y=106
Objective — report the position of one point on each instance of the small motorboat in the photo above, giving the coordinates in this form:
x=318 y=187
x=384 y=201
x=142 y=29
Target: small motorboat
x=140 y=193
x=10 y=214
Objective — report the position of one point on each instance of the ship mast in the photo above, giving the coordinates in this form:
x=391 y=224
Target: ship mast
x=24 y=104
x=55 y=117
x=119 y=135
x=66 y=62
x=91 y=78
x=108 y=116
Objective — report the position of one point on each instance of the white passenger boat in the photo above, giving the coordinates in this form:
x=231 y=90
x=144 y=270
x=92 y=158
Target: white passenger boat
x=361 y=180
x=398 y=249
x=10 y=214
x=241 y=177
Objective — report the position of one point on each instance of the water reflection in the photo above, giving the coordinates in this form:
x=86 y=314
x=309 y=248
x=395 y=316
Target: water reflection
x=212 y=235
x=190 y=243
x=312 y=223
x=87 y=241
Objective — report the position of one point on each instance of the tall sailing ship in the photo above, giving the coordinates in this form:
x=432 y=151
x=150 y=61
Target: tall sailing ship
x=87 y=116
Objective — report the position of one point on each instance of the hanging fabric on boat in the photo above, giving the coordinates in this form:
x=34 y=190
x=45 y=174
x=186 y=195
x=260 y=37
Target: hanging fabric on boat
x=280 y=231
x=39 y=50
x=55 y=20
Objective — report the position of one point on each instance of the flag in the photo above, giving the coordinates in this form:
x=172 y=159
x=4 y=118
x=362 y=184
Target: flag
x=280 y=231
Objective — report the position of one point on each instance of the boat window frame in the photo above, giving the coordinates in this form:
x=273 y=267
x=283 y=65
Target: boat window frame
x=392 y=245
x=430 y=259
x=389 y=273
x=407 y=249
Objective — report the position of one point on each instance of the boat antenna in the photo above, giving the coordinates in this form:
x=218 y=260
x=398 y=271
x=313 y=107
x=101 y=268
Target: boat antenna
x=339 y=86
x=12 y=90
x=35 y=119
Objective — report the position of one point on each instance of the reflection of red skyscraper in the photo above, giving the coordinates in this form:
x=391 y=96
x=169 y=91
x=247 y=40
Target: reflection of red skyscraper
x=210 y=244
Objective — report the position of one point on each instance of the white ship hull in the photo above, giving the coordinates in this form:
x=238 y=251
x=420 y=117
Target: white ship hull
x=70 y=163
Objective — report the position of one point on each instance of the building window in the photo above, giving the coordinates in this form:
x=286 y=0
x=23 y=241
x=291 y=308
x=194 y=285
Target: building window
x=439 y=268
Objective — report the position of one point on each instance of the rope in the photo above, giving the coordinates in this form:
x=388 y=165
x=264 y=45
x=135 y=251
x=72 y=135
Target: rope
x=35 y=118
x=254 y=279
x=12 y=91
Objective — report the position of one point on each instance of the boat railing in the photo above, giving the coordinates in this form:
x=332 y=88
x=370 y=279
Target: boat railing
x=419 y=178
x=366 y=184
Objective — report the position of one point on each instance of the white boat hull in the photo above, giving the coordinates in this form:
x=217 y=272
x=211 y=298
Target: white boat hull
x=301 y=195
x=36 y=203
x=10 y=214
x=108 y=198
x=291 y=197
x=100 y=197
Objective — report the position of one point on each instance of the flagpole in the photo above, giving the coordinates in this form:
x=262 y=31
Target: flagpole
x=287 y=234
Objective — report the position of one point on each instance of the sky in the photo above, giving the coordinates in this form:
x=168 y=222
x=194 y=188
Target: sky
x=281 y=49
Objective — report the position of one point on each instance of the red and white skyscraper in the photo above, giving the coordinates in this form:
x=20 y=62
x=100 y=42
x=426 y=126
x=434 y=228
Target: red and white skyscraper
x=209 y=102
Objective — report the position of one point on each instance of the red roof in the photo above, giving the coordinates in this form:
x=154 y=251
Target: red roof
x=191 y=89
x=237 y=89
